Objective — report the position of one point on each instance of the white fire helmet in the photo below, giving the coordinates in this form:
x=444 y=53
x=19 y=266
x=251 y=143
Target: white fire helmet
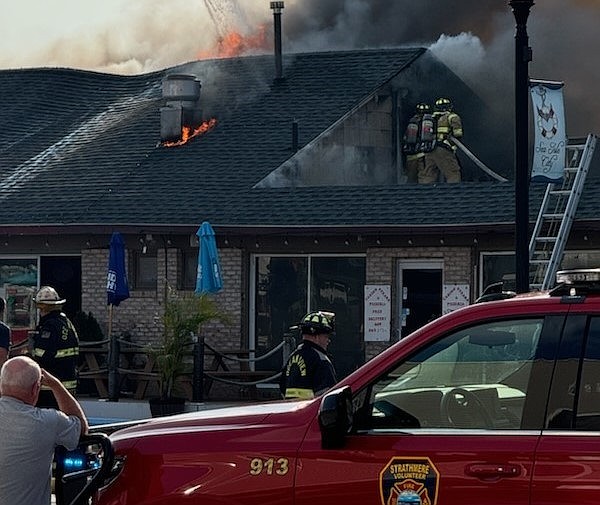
x=47 y=295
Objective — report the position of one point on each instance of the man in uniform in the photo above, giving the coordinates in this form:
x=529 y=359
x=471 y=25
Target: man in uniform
x=418 y=139
x=443 y=157
x=309 y=371
x=55 y=344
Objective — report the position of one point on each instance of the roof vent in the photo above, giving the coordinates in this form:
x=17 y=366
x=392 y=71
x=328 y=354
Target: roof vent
x=277 y=7
x=182 y=105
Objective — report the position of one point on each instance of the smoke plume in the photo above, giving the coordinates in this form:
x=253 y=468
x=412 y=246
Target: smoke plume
x=475 y=38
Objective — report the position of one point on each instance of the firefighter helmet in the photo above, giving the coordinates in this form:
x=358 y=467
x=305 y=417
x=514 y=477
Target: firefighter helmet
x=317 y=323
x=47 y=295
x=443 y=104
x=422 y=108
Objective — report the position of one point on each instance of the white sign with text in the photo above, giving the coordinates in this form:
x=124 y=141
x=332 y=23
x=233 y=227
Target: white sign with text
x=378 y=309
x=455 y=296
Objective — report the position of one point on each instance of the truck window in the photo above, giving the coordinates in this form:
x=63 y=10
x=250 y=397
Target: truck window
x=473 y=378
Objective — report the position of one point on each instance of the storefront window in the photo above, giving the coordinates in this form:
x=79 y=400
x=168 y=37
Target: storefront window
x=18 y=284
x=286 y=287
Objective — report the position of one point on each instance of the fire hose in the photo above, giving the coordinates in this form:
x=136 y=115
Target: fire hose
x=476 y=160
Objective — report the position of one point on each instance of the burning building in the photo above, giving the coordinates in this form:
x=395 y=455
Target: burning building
x=297 y=166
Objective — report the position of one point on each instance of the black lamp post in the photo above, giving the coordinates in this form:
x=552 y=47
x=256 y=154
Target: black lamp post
x=521 y=10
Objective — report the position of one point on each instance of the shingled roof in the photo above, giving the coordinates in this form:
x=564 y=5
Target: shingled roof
x=83 y=148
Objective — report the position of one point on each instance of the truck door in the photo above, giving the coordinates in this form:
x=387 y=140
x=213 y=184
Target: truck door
x=567 y=468
x=456 y=422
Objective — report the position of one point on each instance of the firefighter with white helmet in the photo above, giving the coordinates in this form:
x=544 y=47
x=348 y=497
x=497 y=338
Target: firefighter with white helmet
x=443 y=157
x=309 y=370
x=55 y=343
x=418 y=139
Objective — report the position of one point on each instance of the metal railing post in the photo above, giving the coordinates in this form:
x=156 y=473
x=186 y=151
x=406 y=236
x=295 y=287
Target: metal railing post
x=198 y=377
x=113 y=369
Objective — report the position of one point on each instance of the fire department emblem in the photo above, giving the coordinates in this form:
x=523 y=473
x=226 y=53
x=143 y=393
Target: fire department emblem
x=417 y=475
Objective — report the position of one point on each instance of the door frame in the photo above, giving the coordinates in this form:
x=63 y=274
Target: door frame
x=412 y=264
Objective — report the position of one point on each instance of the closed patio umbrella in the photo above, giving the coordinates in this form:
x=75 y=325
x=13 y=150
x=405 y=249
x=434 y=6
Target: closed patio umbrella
x=209 y=278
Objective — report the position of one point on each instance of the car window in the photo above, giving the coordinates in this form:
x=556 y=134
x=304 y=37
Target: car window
x=473 y=378
x=588 y=397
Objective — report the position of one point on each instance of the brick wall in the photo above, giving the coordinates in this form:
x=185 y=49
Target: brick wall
x=141 y=314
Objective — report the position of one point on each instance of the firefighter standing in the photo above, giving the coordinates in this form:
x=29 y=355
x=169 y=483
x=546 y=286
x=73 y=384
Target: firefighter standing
x=418 y=140
x=443 y=157
x=55 y=344
x=309 y=370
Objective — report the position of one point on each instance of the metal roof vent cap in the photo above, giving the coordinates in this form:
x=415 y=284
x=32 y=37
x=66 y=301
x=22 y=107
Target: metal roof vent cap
x=182 y=105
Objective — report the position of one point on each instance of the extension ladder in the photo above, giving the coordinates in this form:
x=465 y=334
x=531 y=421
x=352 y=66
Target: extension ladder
x=559 y=205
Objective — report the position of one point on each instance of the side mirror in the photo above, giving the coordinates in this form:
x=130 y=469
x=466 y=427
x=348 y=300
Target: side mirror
x=335 y=417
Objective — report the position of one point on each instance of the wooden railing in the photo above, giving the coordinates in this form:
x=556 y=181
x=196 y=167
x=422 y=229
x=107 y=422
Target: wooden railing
x=137 y=365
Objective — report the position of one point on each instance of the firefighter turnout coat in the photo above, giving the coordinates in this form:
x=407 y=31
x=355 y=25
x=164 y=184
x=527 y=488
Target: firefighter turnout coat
x=308 y=372
x=56 y=347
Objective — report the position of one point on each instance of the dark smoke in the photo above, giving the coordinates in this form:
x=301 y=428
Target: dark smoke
x=475 y=38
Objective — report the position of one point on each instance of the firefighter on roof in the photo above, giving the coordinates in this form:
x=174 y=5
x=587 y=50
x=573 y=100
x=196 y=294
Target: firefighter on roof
x=418 y=139
x=309 y=371
x=55 y=344
x=443 y=157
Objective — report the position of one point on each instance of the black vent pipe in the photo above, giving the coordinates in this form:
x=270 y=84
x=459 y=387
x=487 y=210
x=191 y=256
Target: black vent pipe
x=277 y=7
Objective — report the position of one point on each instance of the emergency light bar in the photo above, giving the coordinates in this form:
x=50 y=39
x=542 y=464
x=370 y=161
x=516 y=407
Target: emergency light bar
x=580 y=276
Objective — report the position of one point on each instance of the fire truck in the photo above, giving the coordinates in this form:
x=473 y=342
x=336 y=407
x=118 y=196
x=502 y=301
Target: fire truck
x=495 y=403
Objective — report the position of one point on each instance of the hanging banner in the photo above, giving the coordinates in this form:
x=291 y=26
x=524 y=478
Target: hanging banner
x=550 y=131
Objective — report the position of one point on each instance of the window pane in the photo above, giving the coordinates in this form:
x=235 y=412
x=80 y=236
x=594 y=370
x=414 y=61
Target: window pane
x=280 y=302
x=187 y=270
x=475 y=378
x=145 y=271
x=498 y=268
x=337 y=285
x=588 y=406
x=18 y=284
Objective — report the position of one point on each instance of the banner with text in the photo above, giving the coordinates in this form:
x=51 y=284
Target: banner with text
x=550 y=131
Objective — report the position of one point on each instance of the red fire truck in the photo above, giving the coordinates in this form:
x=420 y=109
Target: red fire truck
x=495 y=403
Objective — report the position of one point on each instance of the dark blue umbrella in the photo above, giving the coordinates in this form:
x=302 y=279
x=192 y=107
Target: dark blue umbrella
x=209 y=278
x=117 y=288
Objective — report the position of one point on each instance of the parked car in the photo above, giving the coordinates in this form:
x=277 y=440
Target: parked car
x=495 y=403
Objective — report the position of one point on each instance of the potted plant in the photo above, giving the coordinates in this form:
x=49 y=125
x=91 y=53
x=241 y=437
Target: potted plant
x=183 y=316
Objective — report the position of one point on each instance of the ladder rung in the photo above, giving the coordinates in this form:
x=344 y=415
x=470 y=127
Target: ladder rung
x=553 y=216
x=539 y=262
x=546 y=239
x=560 y=192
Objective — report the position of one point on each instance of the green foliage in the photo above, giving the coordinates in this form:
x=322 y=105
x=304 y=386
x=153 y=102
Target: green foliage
x=182 y=319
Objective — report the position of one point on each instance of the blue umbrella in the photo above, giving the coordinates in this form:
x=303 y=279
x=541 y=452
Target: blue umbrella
x=117 y=288
x=209 y=278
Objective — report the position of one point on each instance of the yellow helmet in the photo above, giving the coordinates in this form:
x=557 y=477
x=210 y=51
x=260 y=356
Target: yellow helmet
x=422 y=108
x=443 y=105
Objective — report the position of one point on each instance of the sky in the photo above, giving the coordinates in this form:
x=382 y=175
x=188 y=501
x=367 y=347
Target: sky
x=475 y=38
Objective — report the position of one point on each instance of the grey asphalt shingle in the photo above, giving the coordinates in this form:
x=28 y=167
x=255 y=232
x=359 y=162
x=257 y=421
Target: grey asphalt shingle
x=83 y=147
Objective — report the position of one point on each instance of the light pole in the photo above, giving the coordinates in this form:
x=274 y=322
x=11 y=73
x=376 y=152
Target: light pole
x=521 y=10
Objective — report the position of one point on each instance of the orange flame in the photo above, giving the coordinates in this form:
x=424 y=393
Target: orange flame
x=235 y=44
x=187 y=132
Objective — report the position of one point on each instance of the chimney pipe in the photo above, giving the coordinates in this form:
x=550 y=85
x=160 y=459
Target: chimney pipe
x=277 y=7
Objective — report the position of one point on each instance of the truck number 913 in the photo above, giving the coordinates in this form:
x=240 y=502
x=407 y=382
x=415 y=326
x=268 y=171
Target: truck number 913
x=270 y=466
